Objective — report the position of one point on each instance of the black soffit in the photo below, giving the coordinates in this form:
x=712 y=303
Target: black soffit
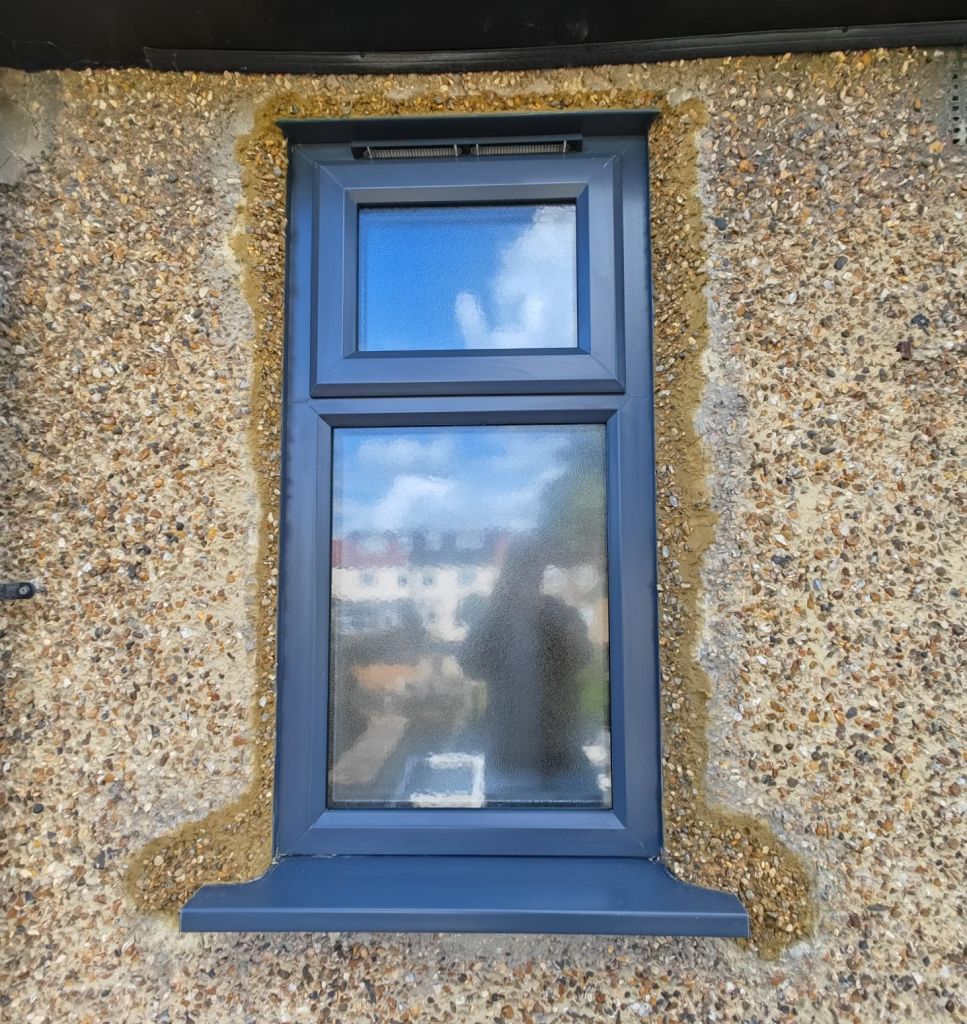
x=312 y=36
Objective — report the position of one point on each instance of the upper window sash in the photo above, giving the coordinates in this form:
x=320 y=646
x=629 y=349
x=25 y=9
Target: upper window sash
x=606 y=182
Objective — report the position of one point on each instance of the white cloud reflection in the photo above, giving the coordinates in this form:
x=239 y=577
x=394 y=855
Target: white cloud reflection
x=534 y=289
x=445 y=478
x=445 y=503
x=409 y=454
x=410 y=500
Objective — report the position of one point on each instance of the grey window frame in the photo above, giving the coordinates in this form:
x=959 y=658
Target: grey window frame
x=331 y=863
x=339 y=190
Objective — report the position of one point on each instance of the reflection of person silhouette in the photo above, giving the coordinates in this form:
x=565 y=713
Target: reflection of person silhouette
x=530 y=649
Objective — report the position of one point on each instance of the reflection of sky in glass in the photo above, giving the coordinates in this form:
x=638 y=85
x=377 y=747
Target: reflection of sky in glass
x=456 y=277
x=442 y=478
x=469 y=624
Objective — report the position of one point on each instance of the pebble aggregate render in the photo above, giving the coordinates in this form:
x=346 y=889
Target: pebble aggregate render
x=809 y=241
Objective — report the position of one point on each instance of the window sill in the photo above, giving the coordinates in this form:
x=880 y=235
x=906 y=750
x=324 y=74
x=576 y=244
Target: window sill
x=577 y=895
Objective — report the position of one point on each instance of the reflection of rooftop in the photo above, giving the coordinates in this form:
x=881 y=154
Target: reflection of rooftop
x=444 y=598
x=361 y=763
x=393 y=678
x=358 y=550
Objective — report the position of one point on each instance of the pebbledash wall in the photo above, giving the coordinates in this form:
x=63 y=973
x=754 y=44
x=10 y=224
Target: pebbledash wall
x=809 y=240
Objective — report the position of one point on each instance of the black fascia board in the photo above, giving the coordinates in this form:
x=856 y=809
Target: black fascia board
x=812 y=40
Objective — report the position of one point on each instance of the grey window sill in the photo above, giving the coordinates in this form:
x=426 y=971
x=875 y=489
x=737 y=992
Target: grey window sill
x=578 y=895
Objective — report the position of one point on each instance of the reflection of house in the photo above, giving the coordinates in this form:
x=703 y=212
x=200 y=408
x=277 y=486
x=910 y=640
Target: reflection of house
x=360 y=550
x=581 y=587
x=441 y=578
x=376 y=598
x=413 y=721
x=372 y=616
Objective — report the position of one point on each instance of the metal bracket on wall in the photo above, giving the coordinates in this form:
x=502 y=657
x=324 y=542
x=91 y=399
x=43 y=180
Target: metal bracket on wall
x=17 y=591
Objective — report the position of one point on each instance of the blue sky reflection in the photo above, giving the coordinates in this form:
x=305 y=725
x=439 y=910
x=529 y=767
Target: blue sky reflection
x=446 y=478
x=467 y=277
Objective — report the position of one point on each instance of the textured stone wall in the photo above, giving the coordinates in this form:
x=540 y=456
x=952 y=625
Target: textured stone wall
x=809 y=236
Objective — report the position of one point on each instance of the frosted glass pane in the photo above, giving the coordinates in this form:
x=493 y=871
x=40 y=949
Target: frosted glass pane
x=469 y=655
x=467 y=277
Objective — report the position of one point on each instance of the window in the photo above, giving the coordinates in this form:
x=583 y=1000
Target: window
x=468 y=407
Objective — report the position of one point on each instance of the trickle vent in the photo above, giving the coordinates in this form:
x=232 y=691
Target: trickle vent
x=405 y=152
x=457 y=149
x=524 y=148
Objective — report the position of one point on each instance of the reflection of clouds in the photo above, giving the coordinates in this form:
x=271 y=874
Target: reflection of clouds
x=407 y=502
x=521 y=453
x=407 y=453
x=534 y=289
x=437 y=503
x=516 y=509
x=451 y=478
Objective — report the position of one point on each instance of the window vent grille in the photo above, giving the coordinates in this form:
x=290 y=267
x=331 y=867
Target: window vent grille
x=524 y=148
x=406 y=152
x=376 y=151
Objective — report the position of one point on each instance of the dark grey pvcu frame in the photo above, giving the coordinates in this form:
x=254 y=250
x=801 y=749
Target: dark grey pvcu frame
x=339 y=189
x=488 y=869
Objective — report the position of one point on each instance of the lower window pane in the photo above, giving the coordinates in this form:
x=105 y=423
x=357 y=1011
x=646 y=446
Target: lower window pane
x=469 y=631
